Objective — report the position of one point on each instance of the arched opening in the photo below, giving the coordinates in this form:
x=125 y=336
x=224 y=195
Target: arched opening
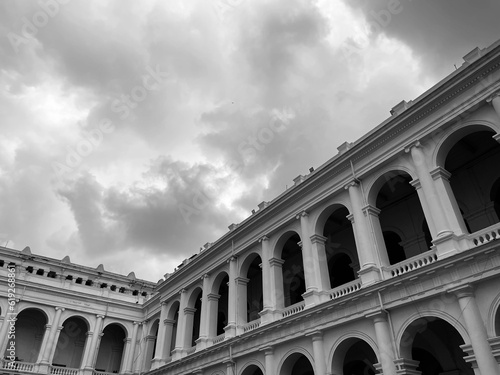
x=151 y=340
x=222 y=306
x=173 y=316
x=400 y=210
x=340 y=269
x=471 y=163
x=193 y=317
x=71 y=342
x=30 y=328
x=110 y=354
x=497 y=322
x=495 y=198
x=297 y=364
x=252 y=370
x=354 y=357
x=339 y=239
x=294 y=284
x=255 y=303
x=435 y=345
x=395 y=251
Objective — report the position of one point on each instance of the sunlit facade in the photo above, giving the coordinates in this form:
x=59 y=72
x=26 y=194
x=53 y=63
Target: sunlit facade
x=384 y=260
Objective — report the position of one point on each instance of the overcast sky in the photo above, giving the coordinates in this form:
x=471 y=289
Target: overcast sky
x=133 y=132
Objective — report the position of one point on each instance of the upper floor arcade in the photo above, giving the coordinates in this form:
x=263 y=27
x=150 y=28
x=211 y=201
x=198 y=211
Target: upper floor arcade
x=418 y=192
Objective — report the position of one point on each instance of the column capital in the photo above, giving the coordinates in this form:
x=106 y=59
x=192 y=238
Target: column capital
x=462 y=291
x=205 y=276
x=242 y=280
x=495 y=95
x=232 y=258
x=213 y=297
x=163 y=303
x=415 y=144
x=350 y=217
x=371 y=210
x=61 y=309
x=98 y=316
x=440 y=172
x=317 y=238
x=182 y=291
x=302 y=214
x=276 y=262
x=377 y=316
x=264 y=238
x=189 y=310
x=353 y=183
x=416 y=183
x=268 y=350
x=315 y=335
x=169 y=322
x=136 y=323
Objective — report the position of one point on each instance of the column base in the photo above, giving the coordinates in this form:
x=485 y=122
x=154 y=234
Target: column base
x=230 y=330
x=267 y=316
x=369 y=275
x=448 y=244
x=178 y=353
x=201 y=343
x=43 y=368
x=156 y=363
x=314 y=297
x=87 y=371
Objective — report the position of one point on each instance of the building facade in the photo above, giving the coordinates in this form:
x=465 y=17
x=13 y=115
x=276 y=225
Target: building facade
x=384 y=260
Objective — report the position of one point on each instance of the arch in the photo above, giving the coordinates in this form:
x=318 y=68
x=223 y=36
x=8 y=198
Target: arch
x=435 y=344
x=247 y=261
x=71 y=342
x=251 y=303
x=110 y=355
x=354 y=356
x=450 y=137
x=468 y=155
x=218 y=281
x=252 y=367
x=193 y=317
x=30 y=330
x=343 y=344
x=403 y=336
x=292 y=269
x=297 y=361
x=382 y=177
x=283 y=238
x=494 y=318
x=325 y=214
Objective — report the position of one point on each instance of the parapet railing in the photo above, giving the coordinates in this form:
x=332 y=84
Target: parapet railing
x=294 y=309
x=413 y=263
x=250 y=326
x=57 y=370
x=485 y=235
x=218 y=339
x=18 y=366
x=345 y=289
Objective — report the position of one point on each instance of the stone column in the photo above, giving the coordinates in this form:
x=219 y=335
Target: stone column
x=475 y=328
x=86 y=349
x=158 y=360
x=206 y=318
x=213 y=308
x=45 y=340
x=6 y=324
x=441 y=179
x=232 y=298
x=315 y=265
x=439 y=206
x=54 y=347
x=320 y=258
x=269 y=359
x=311 y=295
x=267 y=313
x=130 y=355
x=318 y=353
x=188 y=332
x=92 y=352
x=169 y=331
x=139 y=361
x=241 y=312
x=50 y=344
x=277 y=282
x=385 y=342
x=181 y=327
x=369 y=272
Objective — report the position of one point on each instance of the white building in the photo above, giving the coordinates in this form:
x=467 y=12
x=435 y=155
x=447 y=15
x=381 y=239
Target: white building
x=385 y=260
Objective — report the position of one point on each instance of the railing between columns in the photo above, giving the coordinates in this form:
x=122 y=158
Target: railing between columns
x=485 y=235
x=55 y=370
x=413 y=263
x=345 y=289
x=18 y=366
x=250 y=326
x=294 y=309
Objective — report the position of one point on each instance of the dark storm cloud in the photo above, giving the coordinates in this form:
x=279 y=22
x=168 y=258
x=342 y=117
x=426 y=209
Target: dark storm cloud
x=439 y=32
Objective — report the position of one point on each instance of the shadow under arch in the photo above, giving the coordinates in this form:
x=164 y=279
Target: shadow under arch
x=354 y=354
x=297 y=361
